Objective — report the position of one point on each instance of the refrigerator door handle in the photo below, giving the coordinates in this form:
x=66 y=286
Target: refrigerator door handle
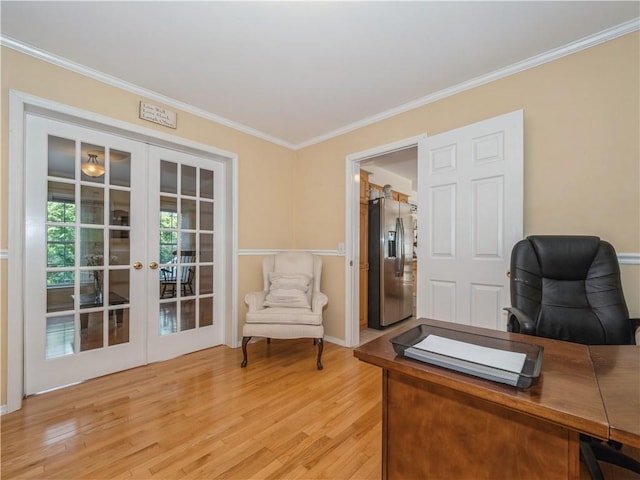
x=399 y=247
x=402 y=252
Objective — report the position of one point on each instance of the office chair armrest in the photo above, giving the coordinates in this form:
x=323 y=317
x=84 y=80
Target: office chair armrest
x=255 y=300
x=318 y=302
x=519 y=322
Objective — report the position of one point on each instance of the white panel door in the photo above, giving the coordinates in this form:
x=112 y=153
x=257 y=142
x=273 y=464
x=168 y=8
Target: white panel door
x=470 y=196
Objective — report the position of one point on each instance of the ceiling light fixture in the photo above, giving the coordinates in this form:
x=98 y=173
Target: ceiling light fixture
x=91 y=167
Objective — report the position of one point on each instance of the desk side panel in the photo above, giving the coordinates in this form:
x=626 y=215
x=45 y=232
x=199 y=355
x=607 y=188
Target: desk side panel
x=436 y=432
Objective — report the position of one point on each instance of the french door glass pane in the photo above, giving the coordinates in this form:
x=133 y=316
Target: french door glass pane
x=120 y=163
x=61 y=159
x=188 y=181
x=168 y=177
x=60 y=336
x=92 y=205
x=206 y=311
x=206 y=184
x=88 y=153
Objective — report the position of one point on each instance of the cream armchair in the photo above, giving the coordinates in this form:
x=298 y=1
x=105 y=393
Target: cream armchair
x=290 y=305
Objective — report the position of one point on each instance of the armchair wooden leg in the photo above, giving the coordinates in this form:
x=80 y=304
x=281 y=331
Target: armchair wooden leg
x=320 y=347
x=245 y=340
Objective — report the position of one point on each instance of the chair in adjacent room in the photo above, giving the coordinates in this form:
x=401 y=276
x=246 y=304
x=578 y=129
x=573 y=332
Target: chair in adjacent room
x=180 y=274
x=290 y=304
x=569 y=288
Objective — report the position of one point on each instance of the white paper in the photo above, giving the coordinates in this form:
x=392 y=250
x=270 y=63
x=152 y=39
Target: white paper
x=492 y=357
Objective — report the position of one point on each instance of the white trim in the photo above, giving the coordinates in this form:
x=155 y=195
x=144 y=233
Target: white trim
x=4 y=254
x=3 y=410
x=19 y=104
x=352 y=231
x=323 y=253
x=130 y=87
x=537 y=60
x=629 y=258
x=334 y=340
x=15 y=324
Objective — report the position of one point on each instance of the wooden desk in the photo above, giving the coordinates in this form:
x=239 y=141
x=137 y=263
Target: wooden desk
x=438 y=423
x=618 y=372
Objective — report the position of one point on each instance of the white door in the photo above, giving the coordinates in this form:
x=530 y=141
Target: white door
x=104 y=290
x=470 y=199
x=186 y=244
x=84 y=303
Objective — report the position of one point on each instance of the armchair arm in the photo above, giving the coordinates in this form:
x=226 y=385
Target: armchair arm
x=255 y=300
x=635 y=329
x=318 y=301
x=519 y=322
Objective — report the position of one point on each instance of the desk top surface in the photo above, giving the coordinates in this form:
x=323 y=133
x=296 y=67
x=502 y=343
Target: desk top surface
x=566 y=393
x=617 y=368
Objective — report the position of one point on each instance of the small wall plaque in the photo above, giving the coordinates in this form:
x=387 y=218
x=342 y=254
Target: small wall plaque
x=158 y=115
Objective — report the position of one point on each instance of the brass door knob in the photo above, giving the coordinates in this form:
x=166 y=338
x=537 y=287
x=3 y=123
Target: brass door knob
x=153 y=265
x=137 y=265
x=508 y=273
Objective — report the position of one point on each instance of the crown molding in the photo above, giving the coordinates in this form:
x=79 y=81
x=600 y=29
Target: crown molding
x=130 y=87
x=574 y=47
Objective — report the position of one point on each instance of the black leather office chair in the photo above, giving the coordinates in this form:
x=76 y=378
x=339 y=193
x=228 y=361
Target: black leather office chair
x=569 y=288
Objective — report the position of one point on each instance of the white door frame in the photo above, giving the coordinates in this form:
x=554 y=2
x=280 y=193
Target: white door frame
x=19 y=104
x=352 y=229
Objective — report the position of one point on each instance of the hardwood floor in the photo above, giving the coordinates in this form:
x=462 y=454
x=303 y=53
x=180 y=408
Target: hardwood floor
x=202 y=416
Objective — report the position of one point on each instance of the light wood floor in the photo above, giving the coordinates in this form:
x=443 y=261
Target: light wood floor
x=202 y=416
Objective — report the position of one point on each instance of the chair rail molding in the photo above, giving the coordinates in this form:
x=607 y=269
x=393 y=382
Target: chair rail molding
x=4 y=253
x=629 y=258
x=254 y=252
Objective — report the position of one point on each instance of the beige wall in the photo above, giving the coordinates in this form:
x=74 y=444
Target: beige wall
x=581 y=158
x=582 y=155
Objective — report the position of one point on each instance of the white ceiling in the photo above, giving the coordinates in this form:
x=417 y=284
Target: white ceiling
x=298 y=72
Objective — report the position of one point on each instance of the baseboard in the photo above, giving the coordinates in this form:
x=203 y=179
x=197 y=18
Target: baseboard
x=3 y=410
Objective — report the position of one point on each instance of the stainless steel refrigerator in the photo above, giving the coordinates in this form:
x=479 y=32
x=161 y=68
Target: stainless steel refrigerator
x=390 y=256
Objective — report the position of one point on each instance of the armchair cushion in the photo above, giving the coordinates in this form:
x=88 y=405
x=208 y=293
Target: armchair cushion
x=288 y=290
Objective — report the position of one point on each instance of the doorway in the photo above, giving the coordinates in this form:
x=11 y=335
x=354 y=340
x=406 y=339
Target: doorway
x=393 y=163
x=109 y=317
x=110 y=285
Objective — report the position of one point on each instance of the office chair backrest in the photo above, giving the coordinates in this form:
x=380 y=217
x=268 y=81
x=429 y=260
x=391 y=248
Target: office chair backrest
x=570 y=287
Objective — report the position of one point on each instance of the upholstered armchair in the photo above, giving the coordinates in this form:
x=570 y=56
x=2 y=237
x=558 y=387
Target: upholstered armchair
x=290 y=304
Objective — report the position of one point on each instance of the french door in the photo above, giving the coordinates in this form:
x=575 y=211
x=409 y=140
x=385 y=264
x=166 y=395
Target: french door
x=107 y=219
x=183 y=316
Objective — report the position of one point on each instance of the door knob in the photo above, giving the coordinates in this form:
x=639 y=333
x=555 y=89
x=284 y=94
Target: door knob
x=137 y=265
x=508 y=273
x=153 y=265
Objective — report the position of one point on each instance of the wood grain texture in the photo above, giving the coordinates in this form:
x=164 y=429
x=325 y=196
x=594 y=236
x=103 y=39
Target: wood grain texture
x=202 y=416
x=438 y=433
x=618 y=371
